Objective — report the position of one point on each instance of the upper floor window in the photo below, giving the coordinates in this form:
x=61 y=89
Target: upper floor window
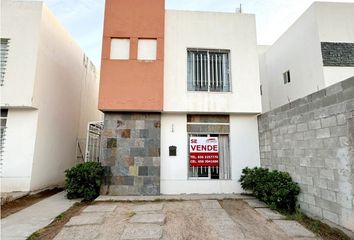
x=120 y=48
x=4 y=49
x=208 y=70
x=286 y=77
x=147 y=49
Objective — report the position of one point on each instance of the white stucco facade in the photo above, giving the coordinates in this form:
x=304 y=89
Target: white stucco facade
x=50 y=91
x=208 y=30
x=298 y=50
x=174 y=169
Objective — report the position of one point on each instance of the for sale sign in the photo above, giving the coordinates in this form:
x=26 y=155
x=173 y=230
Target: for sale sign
x=204 y=151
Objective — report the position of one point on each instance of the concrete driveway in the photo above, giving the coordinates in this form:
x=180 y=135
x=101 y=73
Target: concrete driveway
x=193 y=219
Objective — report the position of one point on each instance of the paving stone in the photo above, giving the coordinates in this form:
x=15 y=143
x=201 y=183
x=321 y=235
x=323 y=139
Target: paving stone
x=210 y=204
x=306 y=238
x=269 y=214
x=142 y=231
x=86 y=219
x=148 y=207
x=293 y=228
x=222 y=223
x=99 y=214
x=255 y=203
x=100 y=208
x=150 y=218
x=78 y=233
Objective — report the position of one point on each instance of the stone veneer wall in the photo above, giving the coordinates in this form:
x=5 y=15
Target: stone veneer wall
x=131 y=153
x=312 y=138
x=337 y=54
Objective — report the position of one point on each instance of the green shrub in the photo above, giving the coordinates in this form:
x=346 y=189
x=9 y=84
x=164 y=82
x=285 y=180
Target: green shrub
x=275 y=188
x=84 y=180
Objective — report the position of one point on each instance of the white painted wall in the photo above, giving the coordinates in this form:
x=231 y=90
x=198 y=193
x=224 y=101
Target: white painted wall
x=18 y=150
x=58 y=86
x=62 y=93
x=336 y=24
x=20 y=19
x=334 y=75
x=174 y=170
x=299 y=49
x=335 y=21
x=211 y=30
x=262 y=72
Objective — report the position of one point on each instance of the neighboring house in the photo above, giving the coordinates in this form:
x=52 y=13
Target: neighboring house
x=314 y=53
x=48 y=95
x=174 y=84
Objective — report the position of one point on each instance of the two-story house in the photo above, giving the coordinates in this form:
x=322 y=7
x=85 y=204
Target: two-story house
x=180 y=93
x=316 y=52
x=48 y=95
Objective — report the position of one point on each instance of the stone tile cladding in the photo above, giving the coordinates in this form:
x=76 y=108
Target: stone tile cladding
x=131 y=153
x=312 y=138
x=337 y=54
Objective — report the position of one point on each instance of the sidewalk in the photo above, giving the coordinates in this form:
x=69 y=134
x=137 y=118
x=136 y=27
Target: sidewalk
x=22 y=224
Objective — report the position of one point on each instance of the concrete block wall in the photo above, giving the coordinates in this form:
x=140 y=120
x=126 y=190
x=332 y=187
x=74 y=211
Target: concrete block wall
x=131 y=153
x=312 y=138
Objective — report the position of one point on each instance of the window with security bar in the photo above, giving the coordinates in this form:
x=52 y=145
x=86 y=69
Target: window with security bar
x=208 y=144
x=205 y=164
x=208 y=70
x=3 y=119
x=4 y=49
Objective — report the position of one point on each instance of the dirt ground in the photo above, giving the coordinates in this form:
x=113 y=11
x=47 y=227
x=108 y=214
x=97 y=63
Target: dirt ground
x=49 y=232
x=252 y=224
x=26 y=201
x=185 y=220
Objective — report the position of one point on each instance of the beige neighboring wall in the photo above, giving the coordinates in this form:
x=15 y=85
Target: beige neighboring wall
x=20 y=19
x=336 y=24
x=262 y=71
x=65 y=92
x=51 y=93
x=299 y=50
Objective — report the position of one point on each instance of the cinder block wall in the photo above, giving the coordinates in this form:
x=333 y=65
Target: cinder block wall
x=312 y=138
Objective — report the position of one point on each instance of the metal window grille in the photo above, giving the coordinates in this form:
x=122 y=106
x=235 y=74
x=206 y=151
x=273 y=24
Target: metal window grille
x=93 y=141
x=2 y=135
x=208 y=70
x=4 y=49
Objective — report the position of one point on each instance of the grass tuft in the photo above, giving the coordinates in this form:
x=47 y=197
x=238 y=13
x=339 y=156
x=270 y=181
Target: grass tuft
x=323 y=230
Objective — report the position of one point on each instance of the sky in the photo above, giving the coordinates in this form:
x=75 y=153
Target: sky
x=83 y=19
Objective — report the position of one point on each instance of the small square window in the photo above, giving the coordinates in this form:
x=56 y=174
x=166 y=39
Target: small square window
x=120 y=48
x=147 y=49
x=286 y=77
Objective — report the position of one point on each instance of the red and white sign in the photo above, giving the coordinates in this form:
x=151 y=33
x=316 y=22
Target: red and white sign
x=204 y=151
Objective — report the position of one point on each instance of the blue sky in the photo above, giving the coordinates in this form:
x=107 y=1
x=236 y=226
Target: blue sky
x=84 y=18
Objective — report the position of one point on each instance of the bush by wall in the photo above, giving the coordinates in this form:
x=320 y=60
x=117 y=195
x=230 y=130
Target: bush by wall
x=275 y=188
x=84 y=180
